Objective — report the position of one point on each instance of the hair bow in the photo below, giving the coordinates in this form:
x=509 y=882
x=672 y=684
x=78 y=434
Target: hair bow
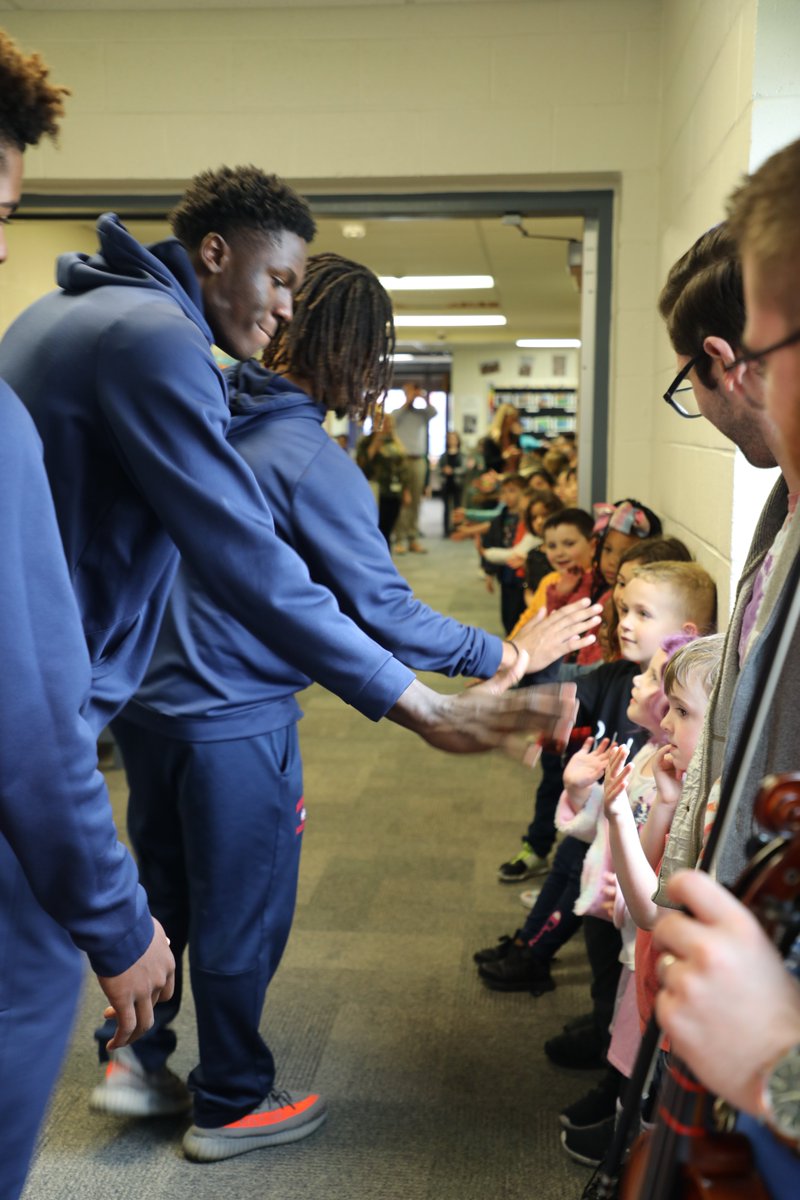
x=625 y=518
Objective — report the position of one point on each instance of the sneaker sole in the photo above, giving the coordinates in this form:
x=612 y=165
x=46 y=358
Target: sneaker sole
x=207 y=1146
x=124 y=1102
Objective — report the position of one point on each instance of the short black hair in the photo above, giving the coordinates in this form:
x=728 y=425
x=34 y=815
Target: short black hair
x=30 y=106
x=239 y=199
x=578 y=517
x=340 y=340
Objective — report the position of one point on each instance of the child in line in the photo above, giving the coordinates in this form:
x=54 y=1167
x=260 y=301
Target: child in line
x=506 y=536
x=647 y=708
x=617 y=527
x=660 y=549
x=569 y=548
x=689 y=679
x=539 y=838
x=662 y=599
x=639 y=800
x=541 y=505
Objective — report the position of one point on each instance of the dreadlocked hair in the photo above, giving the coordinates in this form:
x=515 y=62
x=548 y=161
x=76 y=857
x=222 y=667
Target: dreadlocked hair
x=233 y=199
x=30 y=107
x=340 y=340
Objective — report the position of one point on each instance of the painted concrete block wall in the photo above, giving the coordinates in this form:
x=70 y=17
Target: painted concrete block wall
x=708 y=49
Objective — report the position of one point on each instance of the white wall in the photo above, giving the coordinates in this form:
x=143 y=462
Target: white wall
x=715 y=56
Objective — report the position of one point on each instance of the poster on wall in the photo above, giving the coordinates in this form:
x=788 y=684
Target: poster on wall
x=525 y=366
x=490 y=367
x=470 y=423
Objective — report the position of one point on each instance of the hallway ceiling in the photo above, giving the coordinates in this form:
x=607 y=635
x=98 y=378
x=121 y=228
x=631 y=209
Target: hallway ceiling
x=533 y=287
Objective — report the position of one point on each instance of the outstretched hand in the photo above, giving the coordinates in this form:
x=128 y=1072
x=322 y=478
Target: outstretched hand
x=668 y=778
x=548 y=637
x=488 y=717
x=133 y=995
x=588 y=765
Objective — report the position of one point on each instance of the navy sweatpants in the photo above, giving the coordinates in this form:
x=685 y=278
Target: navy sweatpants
x=217 y=828
x=40 y=982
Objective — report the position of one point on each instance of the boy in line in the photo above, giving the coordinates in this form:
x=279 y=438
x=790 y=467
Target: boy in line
x=66 y=883
x=568 y=543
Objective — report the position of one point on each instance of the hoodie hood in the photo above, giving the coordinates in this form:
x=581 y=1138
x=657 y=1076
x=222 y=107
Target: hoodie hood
x=255 y=391
x=163 y=266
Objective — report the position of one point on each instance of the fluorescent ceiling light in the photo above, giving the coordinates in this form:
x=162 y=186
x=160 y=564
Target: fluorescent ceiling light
x=433 y=283
x=446 y=321
x=549 y=343
x=402 y=358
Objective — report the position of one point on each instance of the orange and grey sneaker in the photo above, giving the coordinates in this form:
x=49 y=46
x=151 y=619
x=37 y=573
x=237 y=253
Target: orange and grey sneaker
x=128 y=1090
x=281 y=1117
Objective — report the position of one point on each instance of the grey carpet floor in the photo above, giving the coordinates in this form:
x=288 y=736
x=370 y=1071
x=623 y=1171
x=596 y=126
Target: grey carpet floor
x=438 y=1089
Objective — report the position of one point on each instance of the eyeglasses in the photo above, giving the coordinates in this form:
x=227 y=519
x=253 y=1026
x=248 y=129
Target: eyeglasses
x=755 y=358
x=675 y=389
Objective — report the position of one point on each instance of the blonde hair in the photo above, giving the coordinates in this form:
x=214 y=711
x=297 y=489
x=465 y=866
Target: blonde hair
x=762 y=216
x=699 y=660
x=502 y=414
x=692 y=586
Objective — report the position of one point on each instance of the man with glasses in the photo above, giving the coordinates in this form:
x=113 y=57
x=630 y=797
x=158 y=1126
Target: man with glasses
x=702 y=303
x=729 y=1006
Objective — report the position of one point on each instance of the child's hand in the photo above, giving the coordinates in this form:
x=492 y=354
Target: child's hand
x=668 y=778
x=514 y=561
x=588 y=765
x=489 y=581
x=617 y=775
x=568 y=580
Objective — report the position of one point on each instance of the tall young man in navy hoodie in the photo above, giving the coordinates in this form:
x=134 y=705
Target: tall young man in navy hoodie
x=216 y=809
x=66 y=883
x=117 y=372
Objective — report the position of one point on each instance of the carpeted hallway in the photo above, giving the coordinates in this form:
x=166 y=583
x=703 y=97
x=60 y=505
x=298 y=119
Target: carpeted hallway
x=437 y=1088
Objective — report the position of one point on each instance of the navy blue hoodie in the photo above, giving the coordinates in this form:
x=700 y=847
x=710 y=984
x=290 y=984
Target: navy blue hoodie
x=117 y=371
x=209 y=678
x=54 y=809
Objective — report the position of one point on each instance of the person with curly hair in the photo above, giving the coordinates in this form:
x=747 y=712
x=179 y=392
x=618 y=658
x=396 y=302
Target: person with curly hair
x=67 y=885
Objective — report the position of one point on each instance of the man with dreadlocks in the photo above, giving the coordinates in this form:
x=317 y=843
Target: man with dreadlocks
x=66 y=883
x=210 y=740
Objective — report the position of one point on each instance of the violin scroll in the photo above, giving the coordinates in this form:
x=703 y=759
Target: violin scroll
x=777 y=806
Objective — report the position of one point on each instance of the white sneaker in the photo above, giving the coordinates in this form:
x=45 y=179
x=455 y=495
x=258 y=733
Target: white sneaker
x=128 y=1090
x=281 y=1117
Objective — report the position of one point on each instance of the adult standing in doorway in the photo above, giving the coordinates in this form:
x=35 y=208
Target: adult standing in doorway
x=411 y=422
x=383 y=460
